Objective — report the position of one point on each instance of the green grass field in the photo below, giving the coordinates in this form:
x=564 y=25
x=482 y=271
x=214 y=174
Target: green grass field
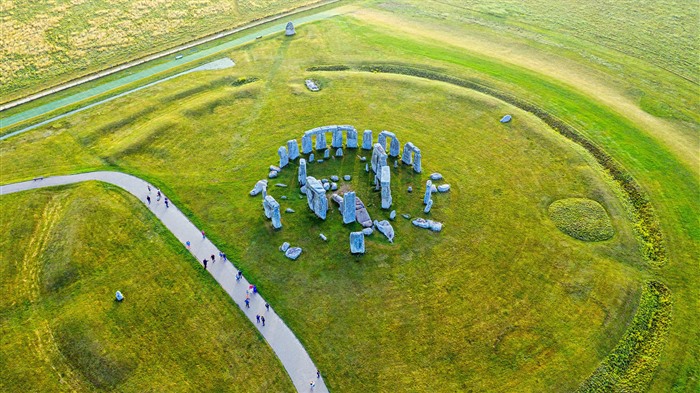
x=501 y=299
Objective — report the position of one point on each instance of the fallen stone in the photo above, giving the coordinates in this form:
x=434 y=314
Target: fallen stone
x=406 y=216
x=326 y=186
x=335 y=178
x=289 y=210
x=506 y=119
x=361 y=214
x=385 y=228
x=319 y=161
x=347 y=177
x=433 y=189
x=334 y=186
x=272 y=174
x=274 y=168
x=392 y=215
x=293 y=253
x=357 y=243
x=443 y=188
x=435 y=176
x=323 y=237
x=324 y=180
x=280 y=185
x=363 y=159
x=367 y=231
x=259 y=187
x=311 y=85
x=284 y=247
x=283 y=197
x=428 y=224
x=428 y=206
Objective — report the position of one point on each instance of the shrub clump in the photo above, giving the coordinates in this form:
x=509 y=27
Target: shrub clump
x=582 y=219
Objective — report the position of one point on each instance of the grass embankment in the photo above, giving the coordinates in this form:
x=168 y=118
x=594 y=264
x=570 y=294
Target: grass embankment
x=65 y=253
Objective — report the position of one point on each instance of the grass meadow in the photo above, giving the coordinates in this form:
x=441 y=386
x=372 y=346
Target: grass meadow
x=500 y=300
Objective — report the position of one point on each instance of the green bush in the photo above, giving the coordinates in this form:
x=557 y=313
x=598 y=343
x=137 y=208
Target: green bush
x=582 y=219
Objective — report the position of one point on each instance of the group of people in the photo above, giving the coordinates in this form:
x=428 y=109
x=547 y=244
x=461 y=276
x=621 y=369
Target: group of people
x=158 y=196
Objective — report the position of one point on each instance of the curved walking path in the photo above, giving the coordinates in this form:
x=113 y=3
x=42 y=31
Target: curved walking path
x=284 y=343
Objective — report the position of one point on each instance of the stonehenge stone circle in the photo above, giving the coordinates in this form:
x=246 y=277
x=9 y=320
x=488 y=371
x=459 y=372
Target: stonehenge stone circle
x=357 y=243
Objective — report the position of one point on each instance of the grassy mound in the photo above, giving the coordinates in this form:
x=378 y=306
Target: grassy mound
x=582 y=219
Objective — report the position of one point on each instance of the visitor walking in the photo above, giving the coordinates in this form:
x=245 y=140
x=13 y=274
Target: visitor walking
x=149 y=188
x=318 y=374
x=247 y=303
x=312 y=384
x=239 y=275
x=158 y=196
x=166 y=203
x=204 y=261
x=188 y=244
x=262 y=318
x=213 y=258
x=148 y=198
x=258 y=318
x=267 y=306
x=203 y=235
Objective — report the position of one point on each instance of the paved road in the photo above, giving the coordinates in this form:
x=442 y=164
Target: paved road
x=286 y=346
x=117 y=83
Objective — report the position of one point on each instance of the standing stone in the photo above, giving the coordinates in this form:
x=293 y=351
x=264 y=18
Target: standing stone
x=381 y=139
x=407 y=157
x=327 y=153
x=357 y=243
x=311 y=157
x=428 y=191
x=396 y=164
x=337 y=141
x=351 y=136
x=392 y=215
x=394 y=148
x=366 y=167
x=293 y=149
x=339 y=152
x=348 y=207
x=321 y=141
x=306 y=144
x=272 y=210
x=416 y=161
x=367 y=140
x=378 y=157
x=302 y=172
x=284 y=157
x=428 y=206
x=386 y=189
x=289 y=29
x=316 y=197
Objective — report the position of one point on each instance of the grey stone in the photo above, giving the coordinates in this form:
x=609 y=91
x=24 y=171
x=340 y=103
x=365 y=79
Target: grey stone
x=326 y=186
x=311 y=157
x=417 y=161
x=361 y=214
x=284 y=156
x=272 y=211
x=293 y=149
x=339 y=152
x=337 y=140
x=366 y=167
x=407 y=156
x=428 y=191
x=385 y=228
x=428 y=224
x=311 y=85
x=303 y=189
x=381 y=139
x=321 y=143
x=334 y=186
x=367 y=231
x=289 y=210
x=280 y=185
x=406 y=216
x=293 y=253
x=363 y=159
x=272 y=174
x=392 y=215
x=327 y=153
x=394 y=147
x=443 y=188
x=260 y=186
x=396 y=164
x=306 y=144
x=316 y=197
x=323 y=237
x=435 y=176
x=319 y=161
x=367 y=140
x=301 y=176
x=275 y=168
x=324 y=180
x=386 y=187
x=506 y=119
x=347 y=177
x=378 y=157
x=433 y=189
x=357 y=243
x=335 y=178
x=428 y=206
x=348 y=207
x=410 y=189
x=351 y=136
x=283 y=197
x=289 y=29
x=284 y=247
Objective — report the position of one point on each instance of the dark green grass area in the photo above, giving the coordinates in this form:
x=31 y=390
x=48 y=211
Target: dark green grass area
x=67 y=252
x=582 y=219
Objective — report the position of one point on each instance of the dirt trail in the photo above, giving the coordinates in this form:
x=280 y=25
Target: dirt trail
x=682 y=144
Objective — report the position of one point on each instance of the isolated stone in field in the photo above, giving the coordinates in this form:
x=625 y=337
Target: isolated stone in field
x=348 y=207
x=119 y=296
x=443 y=188
x=316 y=197
x=428 y=191
x=260 y=186
x=311 y=85
x=357 y=243
x=335 y=178
x=410 y=189
x=386 y=187
x=367 y=231
x=293 y=149
x=293 y=253
x=284 y=247
x=367 y=140
x=435 y=176
x=385 y=228
x=302 y=172
x=289 y=30
x=319 y=161
x=283 y=197
x=284 y=156
x=272 y=174
x=272 y=211
x=506 y=119
x=347 y=177
x=351 y=136
x=306 y=144
x=392 y=215
x=323 y=237
x=339 y=152
x=428 y=206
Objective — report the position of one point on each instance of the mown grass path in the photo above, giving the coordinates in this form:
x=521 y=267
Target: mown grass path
x=284 y=343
